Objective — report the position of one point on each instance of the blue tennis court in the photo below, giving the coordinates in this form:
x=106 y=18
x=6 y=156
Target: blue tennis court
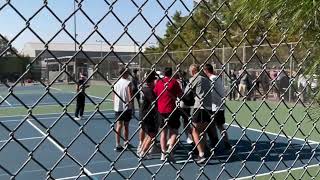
x=37 y=94
x=35 y=155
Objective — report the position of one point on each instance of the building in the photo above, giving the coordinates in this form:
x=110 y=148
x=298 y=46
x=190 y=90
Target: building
x=102 y=58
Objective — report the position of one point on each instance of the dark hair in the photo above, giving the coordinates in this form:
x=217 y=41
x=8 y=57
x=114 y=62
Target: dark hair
x=209 y=68
x=167 y=71
x=124 y=71
x=135 y=71
x=150 y=76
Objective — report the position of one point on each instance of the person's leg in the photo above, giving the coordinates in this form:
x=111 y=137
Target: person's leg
x=78 y=107
x=234 y=92
x=126 y=132
x=224 y=136
x=240 y=94
x=213 y=135
x=142 y=136
x=147 y=143
x=127 y=117
x=185 y=116
x=196 y=131
x=76 y=114
x=138 y=99
x=245 y=91
x=143 y=147
x=82 y=104
x=118 y=133
x=163 y=142
x=173 y=139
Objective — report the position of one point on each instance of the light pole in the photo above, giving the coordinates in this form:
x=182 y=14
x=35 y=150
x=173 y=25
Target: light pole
x=75 y=41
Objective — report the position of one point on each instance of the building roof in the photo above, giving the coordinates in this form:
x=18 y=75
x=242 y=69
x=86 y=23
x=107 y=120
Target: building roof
x=30 y=48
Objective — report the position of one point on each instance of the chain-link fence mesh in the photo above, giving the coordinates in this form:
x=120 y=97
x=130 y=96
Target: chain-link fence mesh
x=167 y=124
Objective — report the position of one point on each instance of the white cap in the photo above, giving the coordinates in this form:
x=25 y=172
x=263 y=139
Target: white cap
x=160 y=74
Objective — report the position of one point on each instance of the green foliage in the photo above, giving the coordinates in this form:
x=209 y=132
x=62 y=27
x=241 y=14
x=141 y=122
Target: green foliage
x=4 y=47
x=294 y=14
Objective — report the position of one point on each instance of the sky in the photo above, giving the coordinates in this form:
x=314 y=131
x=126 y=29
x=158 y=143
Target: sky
x=46 y=25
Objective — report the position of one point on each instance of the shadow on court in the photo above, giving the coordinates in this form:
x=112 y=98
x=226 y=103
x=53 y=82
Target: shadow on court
x=33 y=154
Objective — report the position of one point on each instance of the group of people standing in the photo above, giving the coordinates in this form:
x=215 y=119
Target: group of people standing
x=163 y=101
x=251 y=84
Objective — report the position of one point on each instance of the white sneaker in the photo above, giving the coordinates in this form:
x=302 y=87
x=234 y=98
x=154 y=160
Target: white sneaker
x=77 y=118
x=189 y=140
x=163 y=157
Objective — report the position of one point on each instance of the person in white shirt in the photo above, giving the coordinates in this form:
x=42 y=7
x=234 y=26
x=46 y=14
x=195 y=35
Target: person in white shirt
x=123 y=105
x=217 y=96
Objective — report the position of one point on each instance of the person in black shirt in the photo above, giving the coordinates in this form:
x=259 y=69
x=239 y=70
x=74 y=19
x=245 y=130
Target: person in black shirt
x=135 y=82
x=81 y=96
x=148 y=113
x=232 y=83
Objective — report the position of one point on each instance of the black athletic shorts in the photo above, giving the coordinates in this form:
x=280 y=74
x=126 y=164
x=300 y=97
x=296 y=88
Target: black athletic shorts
x=201 y=116
x=137 y=95
x=150 y=121
x=150 y=125
x=219 y=118
x=173 y=121
x=185 y=114
x=126 y=116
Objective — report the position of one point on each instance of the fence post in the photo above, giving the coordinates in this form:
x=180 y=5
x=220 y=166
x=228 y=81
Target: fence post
x=244 y=53
x=290 y=88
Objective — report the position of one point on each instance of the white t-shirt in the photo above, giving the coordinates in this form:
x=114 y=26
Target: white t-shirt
x=217 y=92
x=121 y=96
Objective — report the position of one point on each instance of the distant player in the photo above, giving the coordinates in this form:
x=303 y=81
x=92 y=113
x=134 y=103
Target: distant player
x=81 y=86
x=123 y=107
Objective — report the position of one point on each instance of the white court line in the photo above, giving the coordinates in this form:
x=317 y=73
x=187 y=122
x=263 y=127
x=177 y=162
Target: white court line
x=280 y=171
x=51 y=114
x=121 y=170
x=184 y=161
x=49 y=104
x=275 y=134
x=41 y=118
x=54 y=142
x=6 y=101
x=178 y=162
x=24 y=139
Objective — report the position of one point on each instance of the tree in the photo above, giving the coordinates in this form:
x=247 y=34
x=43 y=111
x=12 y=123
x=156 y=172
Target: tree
x=203 y=29
x=5 y=49
x=296 y=17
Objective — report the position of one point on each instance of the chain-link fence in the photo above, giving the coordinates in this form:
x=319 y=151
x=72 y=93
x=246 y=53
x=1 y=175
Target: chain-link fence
x=216 y=97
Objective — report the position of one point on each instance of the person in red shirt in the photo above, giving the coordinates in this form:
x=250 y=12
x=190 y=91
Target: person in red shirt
x=167 y=90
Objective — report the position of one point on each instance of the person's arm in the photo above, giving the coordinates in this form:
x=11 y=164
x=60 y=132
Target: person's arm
x=129 y=91
x=178 y=89
x=155 y=89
